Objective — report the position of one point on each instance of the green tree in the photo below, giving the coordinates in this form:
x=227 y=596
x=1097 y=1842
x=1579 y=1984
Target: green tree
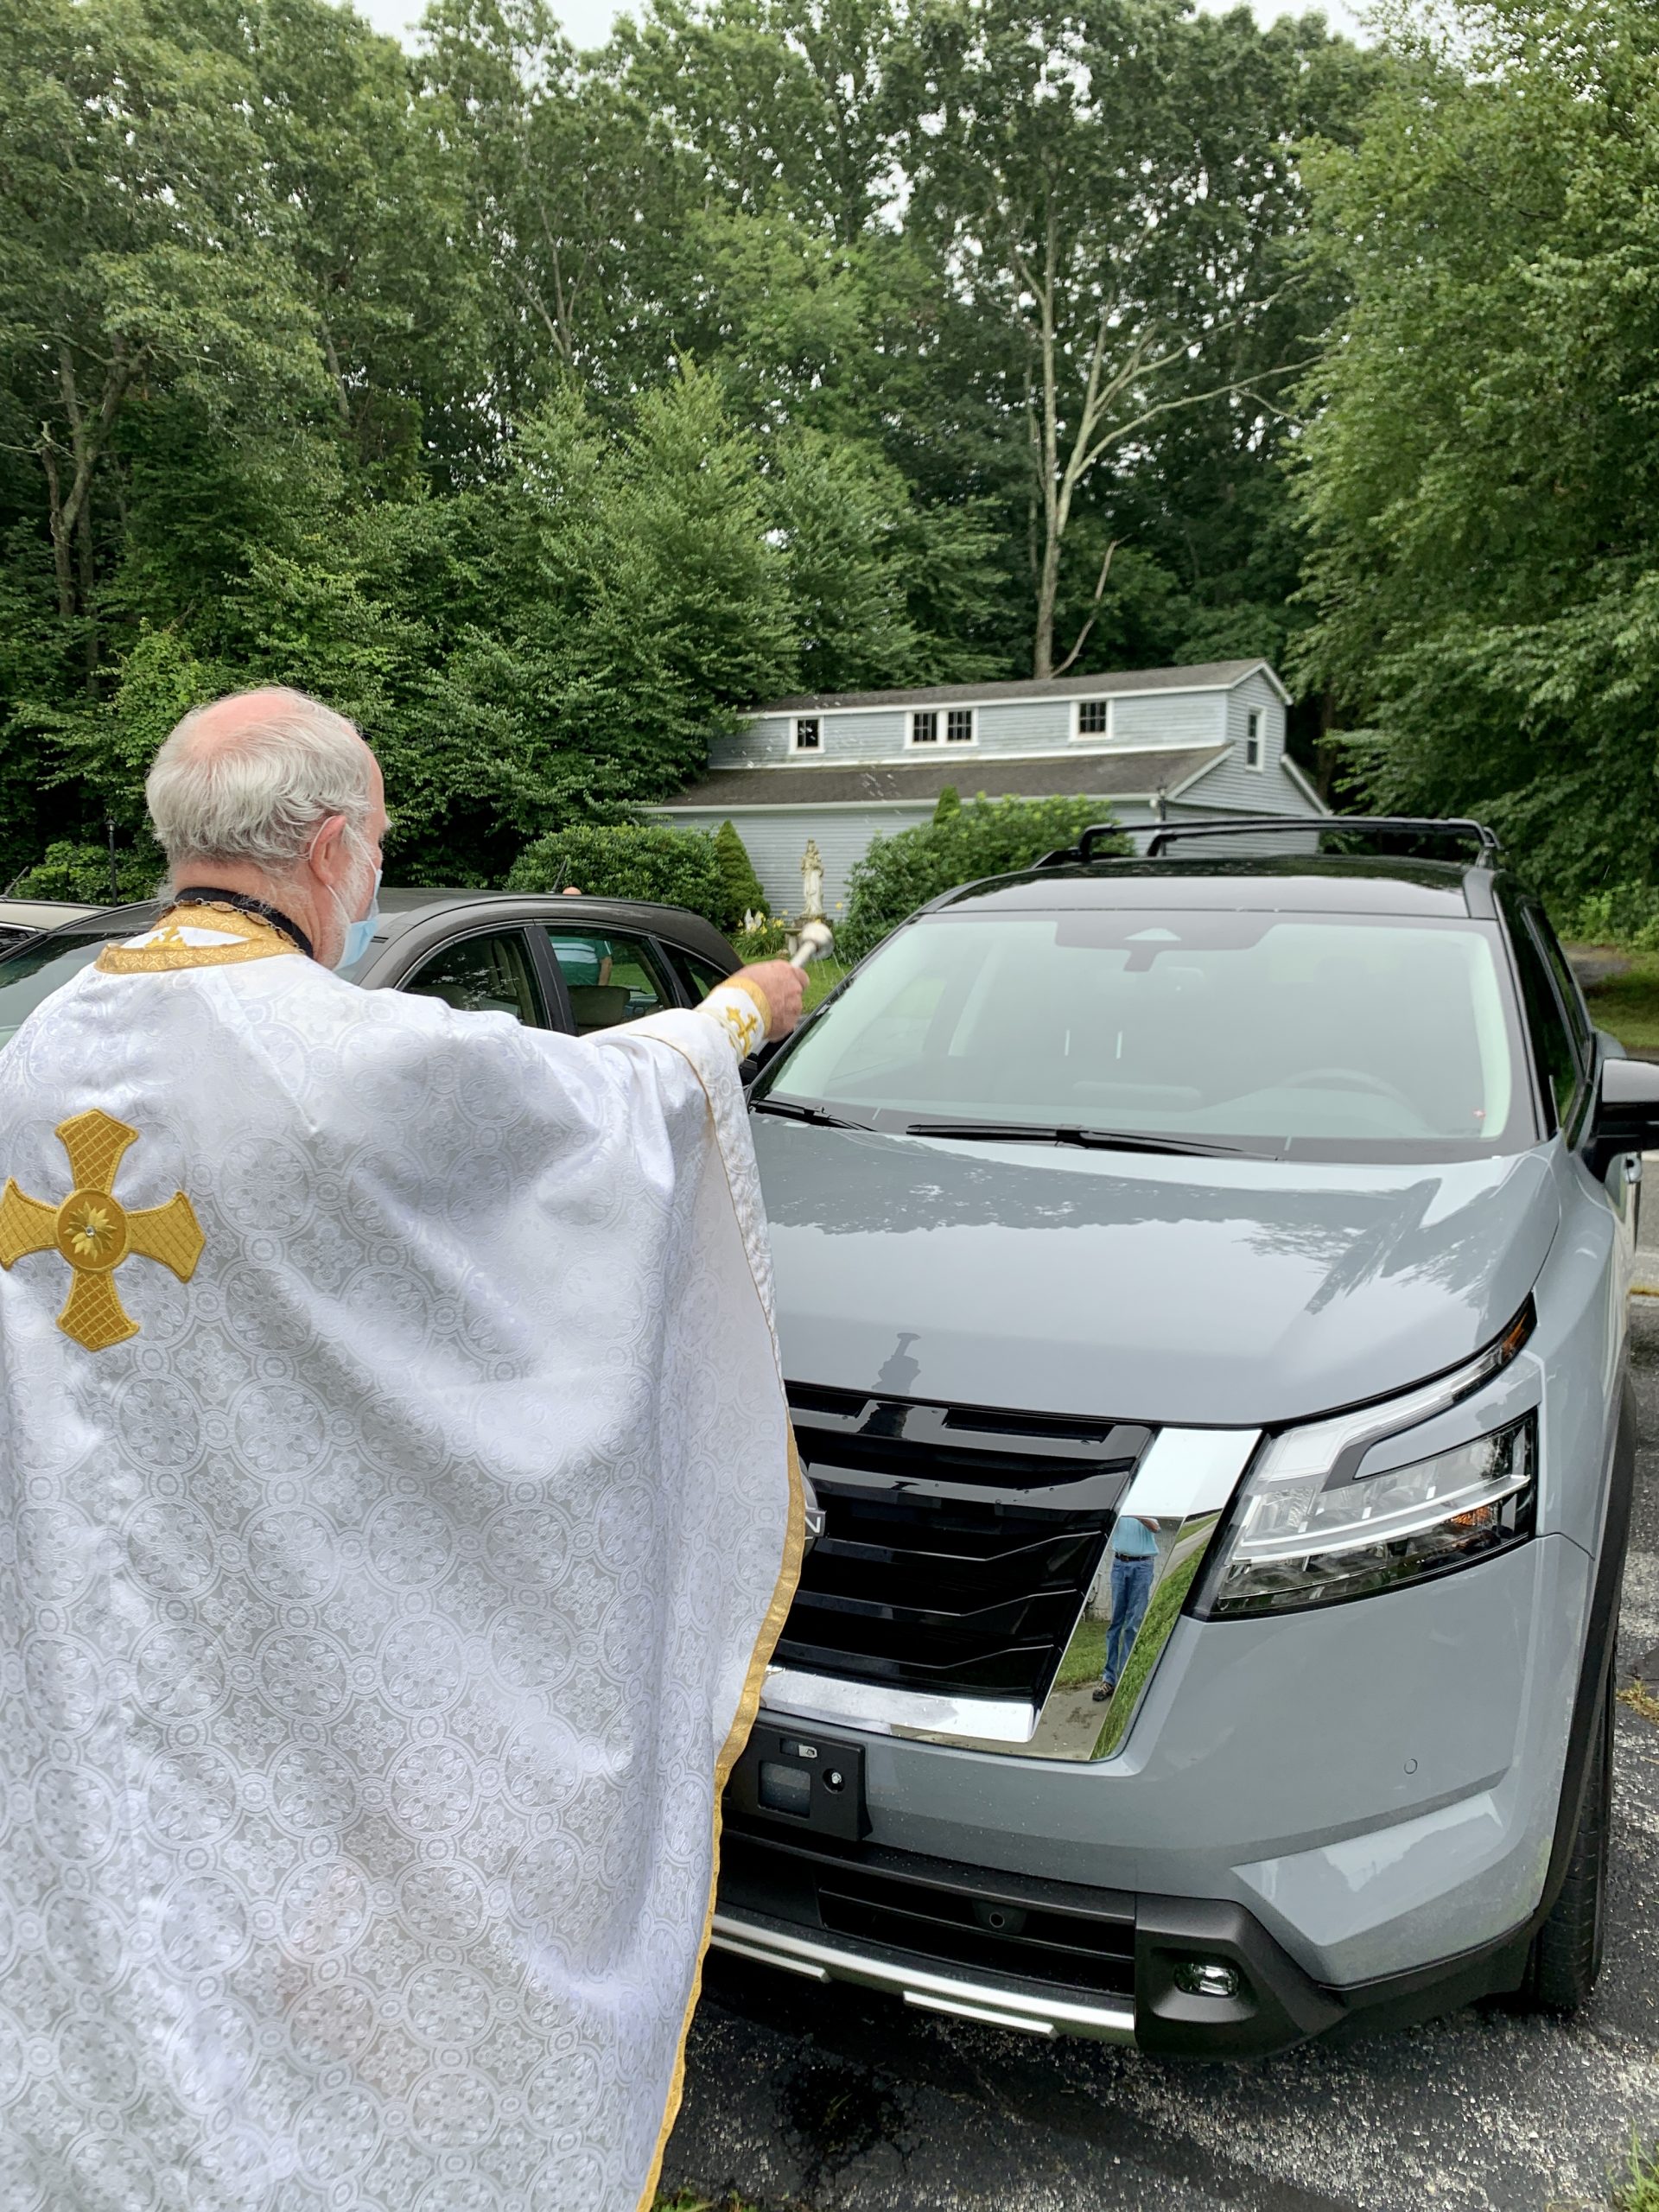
x=1482 y=478
x=1108 y=197
x=744 y=894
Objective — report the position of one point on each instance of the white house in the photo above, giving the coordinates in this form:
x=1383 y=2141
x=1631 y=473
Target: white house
x=1152 y=744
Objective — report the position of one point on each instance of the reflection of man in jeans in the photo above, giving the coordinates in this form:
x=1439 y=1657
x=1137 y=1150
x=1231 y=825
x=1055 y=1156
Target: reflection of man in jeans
x=1135 y=1551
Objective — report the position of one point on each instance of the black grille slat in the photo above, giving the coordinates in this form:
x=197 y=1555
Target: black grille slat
x=958 y=1542
x=857 y=1892
x=953 y=1574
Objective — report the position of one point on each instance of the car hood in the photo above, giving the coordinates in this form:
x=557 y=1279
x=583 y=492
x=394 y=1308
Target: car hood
x=1142 y=1287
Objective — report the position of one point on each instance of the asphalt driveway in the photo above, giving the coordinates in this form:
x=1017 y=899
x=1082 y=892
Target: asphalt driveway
x=802 y=2096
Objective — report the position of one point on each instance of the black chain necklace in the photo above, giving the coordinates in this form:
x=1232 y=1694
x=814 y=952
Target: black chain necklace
x=203 y=894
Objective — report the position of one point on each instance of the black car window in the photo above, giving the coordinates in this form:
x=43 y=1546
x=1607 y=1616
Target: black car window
x=1579 y=1023
x=610 y=978
x=483 y=975
x=698 y=975
x=1553 y=1043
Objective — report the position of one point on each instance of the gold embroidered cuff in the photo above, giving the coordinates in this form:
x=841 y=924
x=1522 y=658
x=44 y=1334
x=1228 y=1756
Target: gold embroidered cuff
x=741 y=1012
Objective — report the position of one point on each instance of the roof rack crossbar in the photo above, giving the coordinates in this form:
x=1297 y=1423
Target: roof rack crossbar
x=1323 y=825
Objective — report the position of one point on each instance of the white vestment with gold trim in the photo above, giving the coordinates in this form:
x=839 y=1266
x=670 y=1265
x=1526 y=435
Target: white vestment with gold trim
x=379 y=1613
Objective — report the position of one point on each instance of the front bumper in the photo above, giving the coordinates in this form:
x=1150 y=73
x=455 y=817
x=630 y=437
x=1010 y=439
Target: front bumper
x=1375 y=1787
x=1050 y=1958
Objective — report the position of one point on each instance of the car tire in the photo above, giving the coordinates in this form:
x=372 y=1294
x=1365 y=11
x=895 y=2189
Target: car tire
x=1567 y=1951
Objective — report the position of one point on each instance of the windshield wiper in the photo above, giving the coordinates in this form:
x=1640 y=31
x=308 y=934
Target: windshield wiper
x=1089 y=1140
x=820 y=1116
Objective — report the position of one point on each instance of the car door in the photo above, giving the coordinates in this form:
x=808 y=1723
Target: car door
x=609 y=976
x=491 y=971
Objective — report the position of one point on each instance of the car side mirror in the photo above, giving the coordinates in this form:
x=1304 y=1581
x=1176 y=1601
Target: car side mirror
x=1627 y=1113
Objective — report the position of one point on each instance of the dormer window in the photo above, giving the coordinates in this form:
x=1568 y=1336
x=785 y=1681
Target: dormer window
x=808 y=733
x=1094 y=718
x=955 y=725
x=1253 y=739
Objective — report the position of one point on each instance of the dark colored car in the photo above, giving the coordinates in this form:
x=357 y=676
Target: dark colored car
x=556 y=963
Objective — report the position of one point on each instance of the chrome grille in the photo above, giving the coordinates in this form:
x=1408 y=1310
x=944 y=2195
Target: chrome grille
x=959 y=1542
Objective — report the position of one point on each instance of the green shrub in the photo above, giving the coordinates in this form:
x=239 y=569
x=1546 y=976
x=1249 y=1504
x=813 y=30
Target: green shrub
x=948 y=804
x=1623 y=914
x=988 y=837
x=82 y=872
x=629 y=860
x=743 y=893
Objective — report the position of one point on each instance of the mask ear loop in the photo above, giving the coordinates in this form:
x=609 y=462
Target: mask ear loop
x=347 y=829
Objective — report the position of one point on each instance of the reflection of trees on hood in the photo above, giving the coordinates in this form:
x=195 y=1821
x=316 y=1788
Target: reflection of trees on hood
x=859 y=1185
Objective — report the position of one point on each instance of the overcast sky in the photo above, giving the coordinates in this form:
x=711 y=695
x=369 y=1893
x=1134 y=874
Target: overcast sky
x=588 y=22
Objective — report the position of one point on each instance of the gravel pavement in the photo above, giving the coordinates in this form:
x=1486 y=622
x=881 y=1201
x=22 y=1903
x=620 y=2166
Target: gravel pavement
x=799 y=2096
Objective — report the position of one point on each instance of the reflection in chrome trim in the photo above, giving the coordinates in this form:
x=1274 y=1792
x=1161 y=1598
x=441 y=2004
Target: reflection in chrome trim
x=1006 y=1721
x=1183 y=1483
x=769 y=1944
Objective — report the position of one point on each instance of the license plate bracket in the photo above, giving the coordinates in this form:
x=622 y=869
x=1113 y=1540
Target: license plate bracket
x=802 y=1779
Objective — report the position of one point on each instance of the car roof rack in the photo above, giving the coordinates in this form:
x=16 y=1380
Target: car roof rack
x=1399 y=825
x=1238 y=825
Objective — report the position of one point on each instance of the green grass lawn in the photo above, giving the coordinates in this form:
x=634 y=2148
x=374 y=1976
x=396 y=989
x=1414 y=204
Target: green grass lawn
x=1629 y=1004
x=821 y=979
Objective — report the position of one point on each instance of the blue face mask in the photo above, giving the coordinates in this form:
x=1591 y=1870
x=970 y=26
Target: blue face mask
x=360 y=935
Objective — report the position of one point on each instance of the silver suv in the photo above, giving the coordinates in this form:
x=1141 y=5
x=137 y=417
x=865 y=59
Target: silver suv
x=1202 y=1284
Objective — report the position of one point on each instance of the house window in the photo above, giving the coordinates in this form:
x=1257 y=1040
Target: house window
x=925 y=729
x=1094 y=718
x=808 y=735
x=959 y=726
x=1253 y=739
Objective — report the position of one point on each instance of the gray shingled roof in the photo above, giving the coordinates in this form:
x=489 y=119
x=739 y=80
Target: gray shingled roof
x=1205 y=675
x=1021 y=775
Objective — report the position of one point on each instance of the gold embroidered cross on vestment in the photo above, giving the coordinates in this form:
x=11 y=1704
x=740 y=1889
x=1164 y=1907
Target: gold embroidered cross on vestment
x=94 y=1232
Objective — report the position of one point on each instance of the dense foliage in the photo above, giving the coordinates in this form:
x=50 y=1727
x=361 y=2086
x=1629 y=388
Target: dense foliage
x=1481 y=472
x=677 y=867
x=542 y=409
x=960 y=845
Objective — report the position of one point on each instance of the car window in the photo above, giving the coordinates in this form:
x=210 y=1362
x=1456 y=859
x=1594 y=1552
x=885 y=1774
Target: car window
x=610 y=978
x=483 y=974
x=699 y=976
x=1336 y=1037
x=1579 y=1023
x=1553 y=1042
x=35 y=975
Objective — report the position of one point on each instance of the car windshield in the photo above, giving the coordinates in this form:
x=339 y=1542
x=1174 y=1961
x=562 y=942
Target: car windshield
x=1343 y=1037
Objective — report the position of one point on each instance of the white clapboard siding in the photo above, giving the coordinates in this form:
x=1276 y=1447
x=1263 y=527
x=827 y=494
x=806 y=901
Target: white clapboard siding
x=775 y=839
x=1170 y=718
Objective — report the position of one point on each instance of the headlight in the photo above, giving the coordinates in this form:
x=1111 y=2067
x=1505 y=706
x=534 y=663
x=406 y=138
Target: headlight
x=1303 y=1540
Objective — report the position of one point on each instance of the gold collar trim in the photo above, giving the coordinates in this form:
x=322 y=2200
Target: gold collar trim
x=196 y=936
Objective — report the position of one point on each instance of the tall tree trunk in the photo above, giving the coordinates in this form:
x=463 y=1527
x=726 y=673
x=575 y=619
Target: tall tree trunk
x=85 y=560
x=1056 y=500
x=61 y=563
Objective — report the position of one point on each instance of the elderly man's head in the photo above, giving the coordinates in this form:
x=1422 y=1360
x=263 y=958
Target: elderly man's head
x=274 y=795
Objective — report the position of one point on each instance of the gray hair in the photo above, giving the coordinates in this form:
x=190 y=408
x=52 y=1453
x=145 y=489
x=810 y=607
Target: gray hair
x=258 y=792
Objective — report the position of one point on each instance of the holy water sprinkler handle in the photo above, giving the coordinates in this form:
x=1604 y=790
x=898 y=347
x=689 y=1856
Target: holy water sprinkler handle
x=817 y=938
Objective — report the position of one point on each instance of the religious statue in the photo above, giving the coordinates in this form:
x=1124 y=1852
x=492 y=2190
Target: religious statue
x=811 y=883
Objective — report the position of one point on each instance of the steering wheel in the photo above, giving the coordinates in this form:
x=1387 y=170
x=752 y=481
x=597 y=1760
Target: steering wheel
x=1352 y=1080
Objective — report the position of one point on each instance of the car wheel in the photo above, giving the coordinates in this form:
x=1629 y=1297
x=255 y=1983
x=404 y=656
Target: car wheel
x=1567 y=1951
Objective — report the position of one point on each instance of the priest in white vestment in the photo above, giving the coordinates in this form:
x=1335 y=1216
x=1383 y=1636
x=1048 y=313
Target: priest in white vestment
x=397 y=1512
